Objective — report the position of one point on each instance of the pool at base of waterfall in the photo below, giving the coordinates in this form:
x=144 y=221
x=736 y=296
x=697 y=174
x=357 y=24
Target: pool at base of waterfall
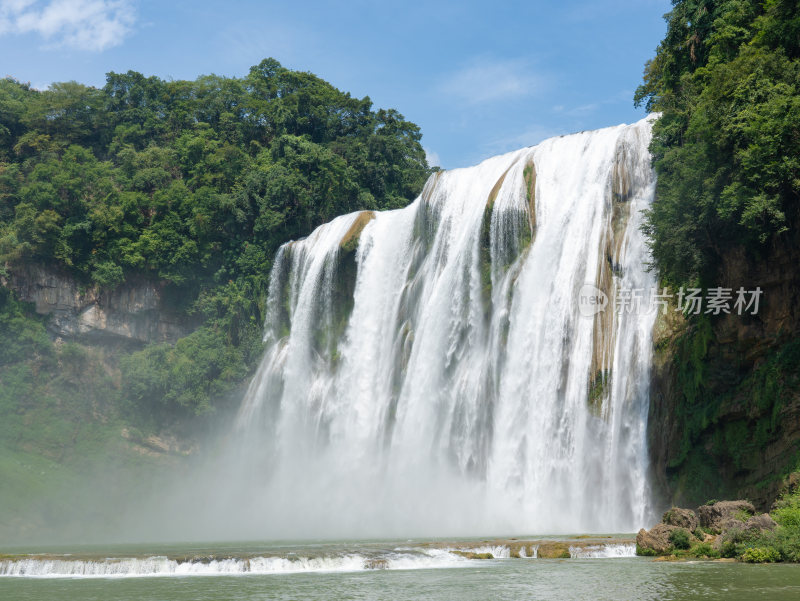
x=585 y=567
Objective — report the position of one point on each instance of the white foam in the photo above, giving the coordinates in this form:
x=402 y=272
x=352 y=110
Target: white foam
x=603 y=551
x=163 y=566
x=448 y=358
x=403 y=558
x=496 y=551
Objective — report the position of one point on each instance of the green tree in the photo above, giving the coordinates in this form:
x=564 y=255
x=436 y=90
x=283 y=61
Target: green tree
x=726 y=79
x=194 y=184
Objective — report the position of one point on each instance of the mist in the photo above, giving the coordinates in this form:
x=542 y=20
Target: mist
x=428 y=372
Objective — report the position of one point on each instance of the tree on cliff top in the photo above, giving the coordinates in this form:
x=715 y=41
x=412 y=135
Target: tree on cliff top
x=196 y=184
x=726 y=79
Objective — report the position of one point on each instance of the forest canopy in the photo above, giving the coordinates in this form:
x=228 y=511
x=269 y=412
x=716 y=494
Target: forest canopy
x=726 y=150
x=194 y=184
x=726 y=80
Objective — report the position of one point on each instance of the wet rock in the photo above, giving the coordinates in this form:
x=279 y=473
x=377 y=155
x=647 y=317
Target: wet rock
x=681 y=518
x=473 y=555
x=554 y=550
x=376 y=564
x=353 y=235
x=656 y=540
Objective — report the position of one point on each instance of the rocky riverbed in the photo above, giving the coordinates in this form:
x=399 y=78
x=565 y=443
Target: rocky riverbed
x=702 y=532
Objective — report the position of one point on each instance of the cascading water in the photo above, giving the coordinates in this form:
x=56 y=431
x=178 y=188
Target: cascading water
x=428 y=369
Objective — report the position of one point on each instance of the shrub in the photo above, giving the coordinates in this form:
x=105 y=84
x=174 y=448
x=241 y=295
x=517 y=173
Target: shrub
x=187 y=375
x=736 y=540
x=761 y=555
x=787 y=542
x=742 y=515
x=680 y=538
x=108 y=275
x=787 y=535
x=787 y=511
x=23 y=336
x=705 y=550
x=727 y=549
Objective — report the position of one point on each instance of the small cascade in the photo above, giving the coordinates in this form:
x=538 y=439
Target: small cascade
x=305 y=560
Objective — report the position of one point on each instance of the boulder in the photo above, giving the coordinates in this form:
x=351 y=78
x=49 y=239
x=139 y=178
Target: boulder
x=682 y=518
x=376 y=563
x=736 y=531
x=760 y=523
x=656 y=539
x=723 y=515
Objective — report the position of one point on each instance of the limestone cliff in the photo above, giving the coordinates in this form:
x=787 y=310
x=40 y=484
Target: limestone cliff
x=133 y=311
x=725 y=395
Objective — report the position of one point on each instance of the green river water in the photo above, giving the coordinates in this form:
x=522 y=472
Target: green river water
x=425 y=577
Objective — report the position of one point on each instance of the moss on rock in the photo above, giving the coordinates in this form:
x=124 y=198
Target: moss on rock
x=351 y=239
x=473 y=555
x=554 y=550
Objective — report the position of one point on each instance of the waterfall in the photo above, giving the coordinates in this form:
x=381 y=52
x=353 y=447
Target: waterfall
x=430 y=370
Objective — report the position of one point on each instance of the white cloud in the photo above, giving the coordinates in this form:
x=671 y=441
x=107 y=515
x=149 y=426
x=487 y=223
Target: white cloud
x=83 y=24
x=490 y=80
x=582 y=110
x=249 y=43
x=587 y=109
x=521 y=139
x=432 y=158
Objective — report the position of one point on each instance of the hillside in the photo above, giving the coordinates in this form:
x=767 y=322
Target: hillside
x=725 y=408
x=138 y=222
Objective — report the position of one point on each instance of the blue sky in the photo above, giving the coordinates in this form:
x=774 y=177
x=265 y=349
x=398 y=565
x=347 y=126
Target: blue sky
x=479 y=78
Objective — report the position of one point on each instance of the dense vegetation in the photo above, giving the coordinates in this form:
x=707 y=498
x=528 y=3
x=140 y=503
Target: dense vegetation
x=780 y=544
x=726 y=149
x=191 y=183
x=726 y=79
x=769 y=543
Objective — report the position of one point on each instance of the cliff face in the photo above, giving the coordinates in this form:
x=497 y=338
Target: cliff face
x=133 y=311
x=725 y=395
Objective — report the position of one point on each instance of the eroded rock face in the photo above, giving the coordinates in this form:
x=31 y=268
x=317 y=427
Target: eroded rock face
x=737 y=347
x=727 y=520
x=351 y=238
x=681 y=518
x=656 y=539
x=132 y=311
x=724 y=515
x=734 y=529
x=760 y=522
